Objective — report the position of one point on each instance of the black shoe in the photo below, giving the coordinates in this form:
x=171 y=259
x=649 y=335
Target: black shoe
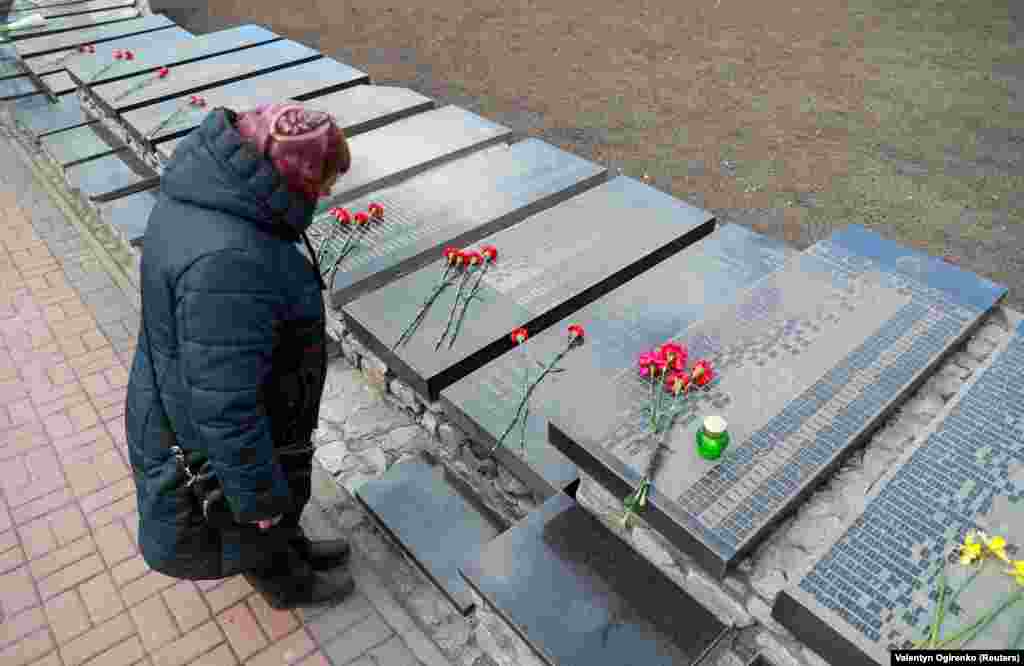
x=322 y=555
x=294 y=591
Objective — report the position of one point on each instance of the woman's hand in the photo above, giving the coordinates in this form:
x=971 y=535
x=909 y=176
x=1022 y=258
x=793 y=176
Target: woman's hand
x=267 y=524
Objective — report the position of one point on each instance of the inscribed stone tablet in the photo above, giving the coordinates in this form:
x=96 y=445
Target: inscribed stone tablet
x=93 y=69
x=55 y=62
x=657 y=305
x=871 y=589
x=41 y=116
x=70 y=9
x=74 y=23
x=81 y=144
x=809 y=360
x=130 y=215
x=107 y=177
x=496 y=188
x=93 y=35
x=550 y=265
x=579 y=596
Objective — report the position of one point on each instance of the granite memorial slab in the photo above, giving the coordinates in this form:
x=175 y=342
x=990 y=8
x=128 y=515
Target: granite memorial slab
x=579 y=596
x=25 y=86
x=551 y=264
x=365 y=108
x=40 y=116
x=129 y=215
x=875 y=586
x=657 y=305
x=109 y=177
x=406 y=147
x=497 y=188
x=21 y=86
x=809 y=362
x=95 y=69
x=59 y=11
x=137 y=91
x=174 y=118
x=81 y=144
x=35 y=46
x=23 y=5
x=69 y=23
x=423 y=510
x=57 y=61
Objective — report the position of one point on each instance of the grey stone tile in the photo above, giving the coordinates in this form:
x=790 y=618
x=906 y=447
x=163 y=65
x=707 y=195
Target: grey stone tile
x=358 y=639
x=116 y=330
x=328 y=624
x=95 y=287
x=393 y=653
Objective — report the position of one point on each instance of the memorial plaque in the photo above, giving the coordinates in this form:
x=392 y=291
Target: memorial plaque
x=404 y=148
x=59 y=60
x=364 y=108
x=809 y=361
x=20 y=86
x=579 y=596
x=19 y=5
x=657 y=305
x=69 y=23
x=550 y=265
x=58 y=11
x=129 y=215
x=41 y=116
x=10 y=65
x=875 y=585
x=497 y=188
x=422 y=509
x=93 y=69
x=126 y=94
x=108 y=177
x=35 y=46
x=175 y=118
x=81 y=144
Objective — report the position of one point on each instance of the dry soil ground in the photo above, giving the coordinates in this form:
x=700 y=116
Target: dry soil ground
x=793 y=116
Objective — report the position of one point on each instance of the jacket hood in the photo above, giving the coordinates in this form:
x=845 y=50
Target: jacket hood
x=214 y=167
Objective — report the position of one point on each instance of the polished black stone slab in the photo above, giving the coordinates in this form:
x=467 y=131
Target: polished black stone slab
x=197 y=76
x=497 y=188
x=873 y=588
x=70 y=23
x=657 y=305
x=810 y=361
x=72 y=9
x=129 y=215
x=579 y=596
x=425 y=511
x=109 y=177
x=59 y=60
x=21 y=86
x=41 y=116
x=81 y=144
x=300 y=82
x=90 y=69
x=551 y=264
x=406 y=147
x=34 y=46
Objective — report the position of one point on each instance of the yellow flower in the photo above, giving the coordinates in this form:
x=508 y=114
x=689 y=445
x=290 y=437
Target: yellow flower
x=997 y=546
x=1017 y=571
x=970 y=550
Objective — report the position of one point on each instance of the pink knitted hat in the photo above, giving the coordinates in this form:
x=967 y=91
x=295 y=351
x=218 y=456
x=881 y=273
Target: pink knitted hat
x=307 y=147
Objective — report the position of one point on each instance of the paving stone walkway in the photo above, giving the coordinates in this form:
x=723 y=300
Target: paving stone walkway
x=74 y=590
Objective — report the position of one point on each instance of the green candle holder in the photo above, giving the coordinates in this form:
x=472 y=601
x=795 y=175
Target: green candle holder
x=712 y=438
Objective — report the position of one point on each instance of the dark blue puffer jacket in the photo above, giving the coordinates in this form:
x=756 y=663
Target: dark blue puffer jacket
x=232 y=311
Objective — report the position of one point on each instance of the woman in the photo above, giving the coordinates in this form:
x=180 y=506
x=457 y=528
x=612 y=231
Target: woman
x=230 y=363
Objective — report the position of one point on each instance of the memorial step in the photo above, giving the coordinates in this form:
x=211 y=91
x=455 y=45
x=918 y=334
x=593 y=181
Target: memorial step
x=57 y=61
x=70 y=23
x=550 y=265
x=27 y=86
x=58 y=11
x=35 y=46
x=41 y=117
x=28 y=5
x=436 y=521
x=102 y=67
x=875 y=584
x=81 y=144
x=655 y=306
x=158 y=123
x=579 y=596
x=113 y=176
x=453 y=204
x=809 y=361
x=141 y=90
x=129 y=215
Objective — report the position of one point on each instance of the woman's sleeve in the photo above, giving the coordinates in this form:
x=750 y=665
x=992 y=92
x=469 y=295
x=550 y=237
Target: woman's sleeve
x=227 y=303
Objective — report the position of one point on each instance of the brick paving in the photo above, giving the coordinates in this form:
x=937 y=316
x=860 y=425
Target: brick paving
x=74 y=590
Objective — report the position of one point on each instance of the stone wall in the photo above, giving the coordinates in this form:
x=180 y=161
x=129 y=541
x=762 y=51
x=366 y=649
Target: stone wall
x=363 y=400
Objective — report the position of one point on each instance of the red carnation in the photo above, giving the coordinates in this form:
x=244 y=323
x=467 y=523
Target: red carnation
x=703 y=373
x=362 y=218
x=675 y=354
x=376 y=210
x=163 y=72
x=449 y=254
x=520 y=335
x=646 y=362
x=677 y=382
x=575 y=332
x=341 y=215
x=490 y=253
x=118 y=54
x=473 y=258
x=128 y=55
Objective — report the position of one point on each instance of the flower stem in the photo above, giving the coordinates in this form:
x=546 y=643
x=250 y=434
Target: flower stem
x=167 y=121
x=451 y=313
x=971 y=632
x=466 y=302
x=411 y=328
x=529 y=391
x=654 y=410
x=103 y=70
